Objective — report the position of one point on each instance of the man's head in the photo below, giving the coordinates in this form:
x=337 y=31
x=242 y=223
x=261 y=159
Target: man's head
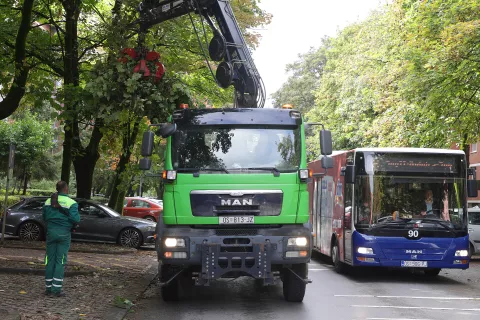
x=62 y=187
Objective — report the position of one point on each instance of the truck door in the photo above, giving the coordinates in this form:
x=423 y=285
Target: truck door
x=317 y=200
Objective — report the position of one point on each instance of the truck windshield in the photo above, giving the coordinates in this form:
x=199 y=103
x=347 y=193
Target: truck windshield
x=239 y=150
x=385 y=199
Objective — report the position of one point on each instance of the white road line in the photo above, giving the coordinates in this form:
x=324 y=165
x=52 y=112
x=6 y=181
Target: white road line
x=317 y=269
x=405 y=307
x=396 y=319
x=404 y=297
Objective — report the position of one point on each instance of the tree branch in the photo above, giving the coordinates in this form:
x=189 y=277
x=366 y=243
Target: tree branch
x=17 y=90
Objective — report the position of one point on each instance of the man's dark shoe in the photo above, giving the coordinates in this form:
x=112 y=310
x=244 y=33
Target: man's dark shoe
x=59 y=294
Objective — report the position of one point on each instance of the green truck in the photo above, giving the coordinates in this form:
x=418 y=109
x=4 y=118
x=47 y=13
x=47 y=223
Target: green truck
x=235 y=198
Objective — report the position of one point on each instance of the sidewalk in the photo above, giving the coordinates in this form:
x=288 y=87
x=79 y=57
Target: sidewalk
x=110 y=283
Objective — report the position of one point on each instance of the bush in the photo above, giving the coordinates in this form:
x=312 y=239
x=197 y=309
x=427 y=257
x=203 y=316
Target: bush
x=41 y=192
x=11 y=201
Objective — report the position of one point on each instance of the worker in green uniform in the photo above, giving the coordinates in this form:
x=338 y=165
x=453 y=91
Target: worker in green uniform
x=61 y=215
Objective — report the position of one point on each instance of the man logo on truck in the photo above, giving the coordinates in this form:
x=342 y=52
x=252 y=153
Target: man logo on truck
x=236 y=202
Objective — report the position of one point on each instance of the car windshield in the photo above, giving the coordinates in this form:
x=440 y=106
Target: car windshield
x=381 y=199
x=113 y=213
x=229 y=150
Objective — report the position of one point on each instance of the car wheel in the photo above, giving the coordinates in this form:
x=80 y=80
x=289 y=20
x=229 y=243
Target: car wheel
x=472 y=251
x=150 y=218
x=131 y=238
x=30 y=231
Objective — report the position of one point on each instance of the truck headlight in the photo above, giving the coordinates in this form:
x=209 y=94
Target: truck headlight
x=298 y=242
x=363 y=250
x=174 y=242
x=461 y=253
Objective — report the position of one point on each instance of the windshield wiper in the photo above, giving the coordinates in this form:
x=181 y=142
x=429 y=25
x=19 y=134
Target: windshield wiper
x=390 y=223
x=275 y=171
x=197 y=170
x=443 y=223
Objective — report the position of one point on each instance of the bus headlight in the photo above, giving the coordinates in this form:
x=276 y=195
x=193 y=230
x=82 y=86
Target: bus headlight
x=363 y=250
x=461 y=253
x=298 y=242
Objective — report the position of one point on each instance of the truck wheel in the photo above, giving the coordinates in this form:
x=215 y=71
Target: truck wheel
x=337 y=264
x=170 y=291
x=293 y=287
x=432 y=272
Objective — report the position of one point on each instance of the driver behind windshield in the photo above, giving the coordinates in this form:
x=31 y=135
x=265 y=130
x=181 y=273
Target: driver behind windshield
x=429 y=206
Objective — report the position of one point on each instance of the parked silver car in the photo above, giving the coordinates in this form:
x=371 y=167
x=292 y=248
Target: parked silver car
x=474 y=229
x=98 y=223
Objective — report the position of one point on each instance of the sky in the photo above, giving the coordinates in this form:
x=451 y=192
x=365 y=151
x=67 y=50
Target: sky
x=296 y=26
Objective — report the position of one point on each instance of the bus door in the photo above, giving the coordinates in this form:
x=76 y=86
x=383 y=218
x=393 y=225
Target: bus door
x=317 y=201
x=347 y=223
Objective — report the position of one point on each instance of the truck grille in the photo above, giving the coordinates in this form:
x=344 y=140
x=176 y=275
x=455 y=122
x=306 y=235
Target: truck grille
x=236 y=232
x=213 y=203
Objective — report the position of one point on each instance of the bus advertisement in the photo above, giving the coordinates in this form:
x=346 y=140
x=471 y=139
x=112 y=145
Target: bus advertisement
x=392 y=207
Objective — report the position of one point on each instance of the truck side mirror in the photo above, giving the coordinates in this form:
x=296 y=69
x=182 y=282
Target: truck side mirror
x=350 y=174
x=325 y=142
x=472 y=188
x=327 y=162
x=147 y=143
x=166 y=130
x=145 y=164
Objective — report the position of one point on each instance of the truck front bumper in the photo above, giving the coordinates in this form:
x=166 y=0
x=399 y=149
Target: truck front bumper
x=220 y=253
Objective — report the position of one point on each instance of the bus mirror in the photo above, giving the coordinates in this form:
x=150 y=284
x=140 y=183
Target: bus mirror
x=350 y=174
x=167 y=129
x=327 y=162
x=145 y=164
x=147 y=143
x=472 y=188
x=326 y=142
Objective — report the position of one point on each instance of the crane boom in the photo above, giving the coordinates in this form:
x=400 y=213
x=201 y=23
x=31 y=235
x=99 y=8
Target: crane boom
x=228 y=46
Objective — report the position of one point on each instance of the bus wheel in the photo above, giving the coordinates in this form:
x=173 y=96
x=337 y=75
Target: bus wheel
x=337 y=264
x=432 y=272
x=293 y=287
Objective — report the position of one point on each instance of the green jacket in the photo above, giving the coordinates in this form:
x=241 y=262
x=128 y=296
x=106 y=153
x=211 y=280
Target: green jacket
x=57 y=220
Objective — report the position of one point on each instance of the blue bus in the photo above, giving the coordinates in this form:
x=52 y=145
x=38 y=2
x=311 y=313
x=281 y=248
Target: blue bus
x=392 y=207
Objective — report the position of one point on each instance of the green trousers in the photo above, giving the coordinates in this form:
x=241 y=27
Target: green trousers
x=58 y=244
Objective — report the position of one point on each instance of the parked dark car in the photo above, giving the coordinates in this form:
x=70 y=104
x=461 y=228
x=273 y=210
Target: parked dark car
x=98 y=223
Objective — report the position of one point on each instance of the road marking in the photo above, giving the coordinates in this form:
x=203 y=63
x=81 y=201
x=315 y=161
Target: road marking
x=396 y=319
x=405 y=307
x=404 y=297
x=317 y=269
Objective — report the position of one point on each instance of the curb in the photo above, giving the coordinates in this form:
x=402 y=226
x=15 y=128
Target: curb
x=72 y=250
x=42 y=272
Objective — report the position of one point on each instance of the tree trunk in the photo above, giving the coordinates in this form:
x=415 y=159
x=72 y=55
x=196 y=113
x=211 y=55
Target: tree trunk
x=85 y=160
x=25 y=183
x=70 y=79
x=128 y=143
x=17 y=89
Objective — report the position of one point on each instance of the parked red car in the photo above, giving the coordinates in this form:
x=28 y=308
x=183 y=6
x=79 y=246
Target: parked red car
x=142 y=208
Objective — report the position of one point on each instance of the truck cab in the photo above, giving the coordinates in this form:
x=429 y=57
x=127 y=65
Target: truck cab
x=235 y=199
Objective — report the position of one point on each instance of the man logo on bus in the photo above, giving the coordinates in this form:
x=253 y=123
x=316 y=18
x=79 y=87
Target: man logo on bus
x=414 y=251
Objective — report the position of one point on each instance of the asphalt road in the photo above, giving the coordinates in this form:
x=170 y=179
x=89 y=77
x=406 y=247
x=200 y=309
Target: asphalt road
x=373 y=295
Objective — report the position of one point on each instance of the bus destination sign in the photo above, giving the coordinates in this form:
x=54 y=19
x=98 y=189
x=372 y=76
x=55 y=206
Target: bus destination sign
x=418 y=163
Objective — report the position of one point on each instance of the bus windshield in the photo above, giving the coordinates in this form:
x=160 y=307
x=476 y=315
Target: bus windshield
x=236 y=150
x=384 y=198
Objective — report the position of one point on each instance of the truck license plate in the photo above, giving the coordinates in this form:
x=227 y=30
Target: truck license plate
x=236 y=220
x=415 y=264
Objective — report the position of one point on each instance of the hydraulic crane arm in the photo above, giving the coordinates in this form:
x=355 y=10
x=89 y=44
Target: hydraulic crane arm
x=228 y=45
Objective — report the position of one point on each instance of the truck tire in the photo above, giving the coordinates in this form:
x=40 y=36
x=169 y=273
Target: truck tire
x=170 y=292
x=293 y=287
x=338 y=265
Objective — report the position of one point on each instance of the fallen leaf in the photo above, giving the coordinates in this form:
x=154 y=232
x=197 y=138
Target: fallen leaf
x=23 y=292
x=31 y=263
x=82 y=314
